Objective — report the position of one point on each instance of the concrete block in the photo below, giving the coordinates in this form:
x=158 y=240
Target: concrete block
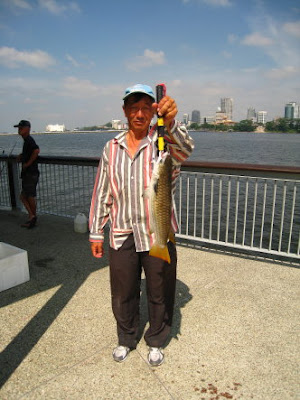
x=13 y=266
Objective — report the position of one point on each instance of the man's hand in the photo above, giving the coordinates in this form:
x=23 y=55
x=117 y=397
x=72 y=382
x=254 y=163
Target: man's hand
x=97 y=249
x=167 y=109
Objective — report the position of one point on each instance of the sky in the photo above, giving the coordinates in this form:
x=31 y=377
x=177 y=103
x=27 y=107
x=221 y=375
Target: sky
x=70 y=61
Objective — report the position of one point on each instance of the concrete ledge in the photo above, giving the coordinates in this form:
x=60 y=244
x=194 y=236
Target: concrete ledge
x=13 y=266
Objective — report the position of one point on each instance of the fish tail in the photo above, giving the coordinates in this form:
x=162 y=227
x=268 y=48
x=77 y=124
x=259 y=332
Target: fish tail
x=160 y=252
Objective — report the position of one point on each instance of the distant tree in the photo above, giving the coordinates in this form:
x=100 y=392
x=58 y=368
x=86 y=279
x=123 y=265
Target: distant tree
x=108 y=124
x=208 y=126
x=221 y=127
x=90 y=128
x=297 y=125
x=282 y=125
x=246 y=125
x=271 y=126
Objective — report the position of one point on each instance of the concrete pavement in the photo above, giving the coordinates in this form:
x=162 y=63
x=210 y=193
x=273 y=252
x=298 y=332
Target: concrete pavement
x=235 y=333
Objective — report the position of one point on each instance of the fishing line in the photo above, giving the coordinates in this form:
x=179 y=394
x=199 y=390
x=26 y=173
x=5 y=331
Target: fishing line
x=10 y=153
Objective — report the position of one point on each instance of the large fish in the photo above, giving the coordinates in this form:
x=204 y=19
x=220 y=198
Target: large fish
x=160 y=194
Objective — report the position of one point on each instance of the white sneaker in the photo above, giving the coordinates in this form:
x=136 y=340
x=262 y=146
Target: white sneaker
x=155 y=356
x=120 y=353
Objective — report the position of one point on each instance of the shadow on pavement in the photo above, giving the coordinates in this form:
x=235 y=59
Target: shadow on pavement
x=58 y=257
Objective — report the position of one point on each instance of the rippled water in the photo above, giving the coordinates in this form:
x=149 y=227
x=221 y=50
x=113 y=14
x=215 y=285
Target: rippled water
x=249 y=148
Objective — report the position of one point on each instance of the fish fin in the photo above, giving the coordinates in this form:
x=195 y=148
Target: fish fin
x=160 y=252
x=172 y=237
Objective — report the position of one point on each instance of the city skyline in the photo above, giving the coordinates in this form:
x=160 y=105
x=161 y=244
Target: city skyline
x=69 y=61
x=291 y=110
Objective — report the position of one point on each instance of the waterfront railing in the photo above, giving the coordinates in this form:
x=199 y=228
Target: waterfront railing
x=247 y=207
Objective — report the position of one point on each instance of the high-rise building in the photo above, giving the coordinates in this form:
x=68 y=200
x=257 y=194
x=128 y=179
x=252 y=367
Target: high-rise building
x=291 y=110
x=227 y=107
x=251 y=114
x=262 y=117
x=196 y=116
x=186 y=119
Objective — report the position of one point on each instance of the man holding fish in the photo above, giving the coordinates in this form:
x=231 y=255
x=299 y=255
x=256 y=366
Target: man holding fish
x=134 y=190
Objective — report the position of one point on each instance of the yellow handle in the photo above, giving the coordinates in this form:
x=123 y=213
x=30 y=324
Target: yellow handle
x=161 y=143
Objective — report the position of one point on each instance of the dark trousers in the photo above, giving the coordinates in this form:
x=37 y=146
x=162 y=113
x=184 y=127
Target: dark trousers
x=125 y=278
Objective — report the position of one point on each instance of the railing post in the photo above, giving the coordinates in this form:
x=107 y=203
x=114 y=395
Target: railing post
x=13 y=177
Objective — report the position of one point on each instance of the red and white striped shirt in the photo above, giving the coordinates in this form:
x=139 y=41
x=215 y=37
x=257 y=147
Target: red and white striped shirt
x=121 y=182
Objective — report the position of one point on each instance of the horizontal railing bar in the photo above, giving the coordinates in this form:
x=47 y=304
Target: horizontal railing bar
x=238 y=246
x=247 y=167
x=187 y=165
x=211 y=174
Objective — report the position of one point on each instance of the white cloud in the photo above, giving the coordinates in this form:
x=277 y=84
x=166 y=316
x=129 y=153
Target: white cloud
x=79 y=88
x=222 y=3
x=292 y=28
x=72 y=60
x=283 y=73
x=148 y=59
x=257 y=39
x=20 y=4
x=275 y=38
x=57 y=8
x=12 y=58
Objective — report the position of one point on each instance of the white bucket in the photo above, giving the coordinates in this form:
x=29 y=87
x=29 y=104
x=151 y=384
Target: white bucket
x=80 y=223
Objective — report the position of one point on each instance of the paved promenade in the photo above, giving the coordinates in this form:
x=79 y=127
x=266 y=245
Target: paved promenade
x=235 y=333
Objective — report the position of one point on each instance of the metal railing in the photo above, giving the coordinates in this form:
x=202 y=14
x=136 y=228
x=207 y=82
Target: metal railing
x=242 y=206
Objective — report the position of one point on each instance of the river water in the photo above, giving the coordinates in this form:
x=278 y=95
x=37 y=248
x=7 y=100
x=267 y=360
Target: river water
x=232 y=147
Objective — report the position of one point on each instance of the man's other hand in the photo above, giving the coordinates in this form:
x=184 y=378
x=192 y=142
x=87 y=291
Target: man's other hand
x=97 y=249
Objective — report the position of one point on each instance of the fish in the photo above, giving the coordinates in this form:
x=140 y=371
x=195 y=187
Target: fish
x=160 y=196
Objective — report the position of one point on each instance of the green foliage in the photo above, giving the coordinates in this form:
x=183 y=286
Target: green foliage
x=283 y=125
x=90 y=128
x=246 y=125
x=208 y=126
x=195 y=126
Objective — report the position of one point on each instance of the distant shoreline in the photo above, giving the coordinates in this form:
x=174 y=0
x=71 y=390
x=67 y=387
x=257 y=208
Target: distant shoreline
x=59 y=133
x=118 y=130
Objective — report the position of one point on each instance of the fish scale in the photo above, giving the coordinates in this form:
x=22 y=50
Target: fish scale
x=161 y=207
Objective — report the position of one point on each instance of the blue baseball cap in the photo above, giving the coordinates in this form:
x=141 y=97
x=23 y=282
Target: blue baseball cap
x=139 y=88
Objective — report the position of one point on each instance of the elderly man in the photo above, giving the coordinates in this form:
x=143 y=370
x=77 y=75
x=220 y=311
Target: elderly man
x=30 y=172
x=123 y=175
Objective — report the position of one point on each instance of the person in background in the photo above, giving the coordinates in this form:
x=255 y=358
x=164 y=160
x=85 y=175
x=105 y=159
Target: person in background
x=30 y=172
x=124 y=172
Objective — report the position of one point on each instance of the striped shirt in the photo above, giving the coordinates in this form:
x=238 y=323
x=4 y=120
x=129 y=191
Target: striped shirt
x=121 y=182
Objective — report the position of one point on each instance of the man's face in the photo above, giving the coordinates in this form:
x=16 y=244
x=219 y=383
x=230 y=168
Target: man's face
x=23 y=131
x=139 y=114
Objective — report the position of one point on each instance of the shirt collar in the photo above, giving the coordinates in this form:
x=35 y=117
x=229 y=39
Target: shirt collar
x=121 y=139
